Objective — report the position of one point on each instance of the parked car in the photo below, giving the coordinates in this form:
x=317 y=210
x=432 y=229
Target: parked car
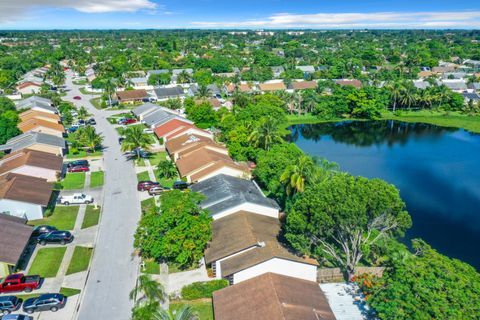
x=125 y=121
x=9 y=304
x=142 y=153
x=146 y=185
x=78 y=169
x=72 y=129
x=78 y=163
x=41 y=229
x=180 y=185
x=77 y=98
x=79 y=123
x=76 y=198
x=16 y=317
x=156 y=190
x=147 y=130
x=48 y=301
x=91 y=122
x=62 y=237
x=120 y=140
x=19 y=282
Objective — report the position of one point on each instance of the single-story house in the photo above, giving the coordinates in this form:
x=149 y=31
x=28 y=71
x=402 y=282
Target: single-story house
x=245 y=245
x=457 y=85
x=213 y=90
x=160 y=116
x=214 y=102
x=226 y=195
x=165 y=93
x=131 y=96
x=272 y=86
x=39 y=125
x=471 y=96
x=40 y=115
x=32 y=163
x=29 y=87
x=14 y=237
x=421 y=84
x=277 y=71
x=38 y=104
x=444 y=69
x=187 y=143
x=139 y=82
x=349 y=82
x=177 y=72
x=306 y=69
x=242 y=87
x=142 y=111
x=188 y=130
x=23 y=196
x=272 y=296
x=203 y=163
x=425 y=74
x=303 y=85
x=172 y=126
x=35 y=141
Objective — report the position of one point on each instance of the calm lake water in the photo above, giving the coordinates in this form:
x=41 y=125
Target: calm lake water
x=437 y=170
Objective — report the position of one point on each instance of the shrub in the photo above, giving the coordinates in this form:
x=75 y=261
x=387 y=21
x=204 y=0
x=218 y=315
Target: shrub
x=198 y=290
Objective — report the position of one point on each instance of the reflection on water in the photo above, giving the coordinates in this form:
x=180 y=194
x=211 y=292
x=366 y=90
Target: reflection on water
x=435 y=168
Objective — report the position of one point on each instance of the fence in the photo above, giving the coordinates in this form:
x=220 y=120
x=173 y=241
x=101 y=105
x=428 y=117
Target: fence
x=336 y=275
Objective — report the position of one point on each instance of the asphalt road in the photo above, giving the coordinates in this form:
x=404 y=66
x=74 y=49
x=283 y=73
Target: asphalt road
x=114 y=267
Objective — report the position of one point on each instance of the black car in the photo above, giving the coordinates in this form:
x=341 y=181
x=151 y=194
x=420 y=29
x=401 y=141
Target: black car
x=38 y=230
x=49 y=301
x=91 y=122
x=78 y=163
x=16 y=317
x=120 y=140
x=9 y=304
x=61 y=237
x=180 y=185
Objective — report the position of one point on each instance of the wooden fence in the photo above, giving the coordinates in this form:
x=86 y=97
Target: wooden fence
x=336 y=275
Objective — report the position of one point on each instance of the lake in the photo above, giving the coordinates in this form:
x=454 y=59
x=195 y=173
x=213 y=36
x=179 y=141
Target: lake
x=437 y=170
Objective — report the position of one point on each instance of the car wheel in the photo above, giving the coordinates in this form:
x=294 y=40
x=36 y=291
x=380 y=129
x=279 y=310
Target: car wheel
x=43 y=243
x=88 y=202
x=29 y=311
x=66 y=203
x=5 y=312
x=28 y=289
x=54 y=309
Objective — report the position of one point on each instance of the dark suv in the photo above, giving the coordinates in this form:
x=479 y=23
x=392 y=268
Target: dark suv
x=9 y=304
x=39 y=230
x=78 y=163
x=180 y=185
x=61 y=237
x=49 y=301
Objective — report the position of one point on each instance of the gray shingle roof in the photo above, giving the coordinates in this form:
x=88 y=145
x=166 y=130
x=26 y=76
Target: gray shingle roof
x=144 y=109
x=161 y=71
x=223 y=192
x=157 y=117
x=36 y=102
x=163 y=93
x=471 y=96
x=28 y=139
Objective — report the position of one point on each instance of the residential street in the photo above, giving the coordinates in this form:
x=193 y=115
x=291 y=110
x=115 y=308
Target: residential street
x=114 y=267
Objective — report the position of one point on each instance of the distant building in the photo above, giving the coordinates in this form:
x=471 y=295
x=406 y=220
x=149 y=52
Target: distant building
x=29 y=87
x=131 y=96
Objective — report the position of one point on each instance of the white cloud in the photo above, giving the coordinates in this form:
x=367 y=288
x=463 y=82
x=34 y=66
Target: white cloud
x=12 y=11
x=452 y=19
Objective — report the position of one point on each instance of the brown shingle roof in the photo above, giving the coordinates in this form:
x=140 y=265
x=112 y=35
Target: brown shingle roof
x=14 y=237
x=272 y=297
x=272 y=86
x=184 y=142
x=214 y=102
x=25 y=189
x=27 y=84
x=31 y=158
x=239 y=231
x=35 y=114
x=244 y=87
x=132 y=95
x=31 y=124
x=200 y=145
x=354 y=82
x=302 y=85
x=199 y=160
x=219 y=165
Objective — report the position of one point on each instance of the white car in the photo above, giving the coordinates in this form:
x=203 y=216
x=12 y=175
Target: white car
x=76 y=198
x=147 y=130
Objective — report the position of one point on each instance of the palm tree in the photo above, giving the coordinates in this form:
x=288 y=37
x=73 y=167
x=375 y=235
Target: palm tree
x=183 y=77
x=166 y=169
x=395 y=89
x=109 y=86
x=83 y=113
x=296 y=175
x=266 y=134
x=153 y=311
x=89 y=138
x=135 y=139
x=203 y=91
x=147 y=290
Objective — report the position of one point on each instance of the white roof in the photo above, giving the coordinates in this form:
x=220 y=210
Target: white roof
x=341 y=301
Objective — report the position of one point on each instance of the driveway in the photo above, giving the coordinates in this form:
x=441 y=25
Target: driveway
x=114 y=268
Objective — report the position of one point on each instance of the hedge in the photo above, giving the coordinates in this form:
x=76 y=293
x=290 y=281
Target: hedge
x=198 y=290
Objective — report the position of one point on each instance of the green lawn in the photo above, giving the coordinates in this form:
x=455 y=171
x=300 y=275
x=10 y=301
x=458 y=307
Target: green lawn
x=80 y=260
x=203 y=307
x=166 y=182
x=113 y=119
x=47 y=262
x=85 y=91
x=96 y=179
x=79 y=154
x=63 y=218
x=72 y=181
x=80 y=82
x=91 y=217
x=142 y=176
x=148 y=205
x=121 y=130
x=154 y=158
x=151 y=267
x=68 y=292
x=96 y=102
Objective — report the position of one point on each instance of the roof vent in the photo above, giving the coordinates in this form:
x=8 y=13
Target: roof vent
x=261 y=244
x=192 y=139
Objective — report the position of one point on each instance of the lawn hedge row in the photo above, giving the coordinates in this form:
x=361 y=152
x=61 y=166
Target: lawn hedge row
x=198 y=290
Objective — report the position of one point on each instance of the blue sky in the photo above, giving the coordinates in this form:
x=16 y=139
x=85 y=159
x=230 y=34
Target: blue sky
x=141 y=14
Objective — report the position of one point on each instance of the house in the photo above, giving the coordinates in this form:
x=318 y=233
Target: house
x=32 y=163
x=425 y=74
x=29 y=87
x=131 y=96
x=306 y=69
x=303 y=85
x=142 y=111
x=177 y=72
x=163 y=93
x=213 y=90
x=14 y=238
x=272 y=86
x=226 y=195
x=443 y=69
x=90 y=74
x=172 y=126
x=139 y=82
x=245 y=245
x=242 y=87
x=471 y=96
x=349 y=82
x=38 y=104
x=35 y=141
x=160 y=116
x=474 y=86
x=203 y=163
x=272 y=296
x=457 y=85
x=454 y=75
x=40 y=125
x=421 y=84
x=277 y=71
x=213 y=102
x=188 y=130
x=23 y=196
x=186 y=143
x=40 y=115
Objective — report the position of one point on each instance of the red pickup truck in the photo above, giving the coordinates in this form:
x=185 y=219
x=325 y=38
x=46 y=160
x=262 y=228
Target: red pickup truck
x=19 y=282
